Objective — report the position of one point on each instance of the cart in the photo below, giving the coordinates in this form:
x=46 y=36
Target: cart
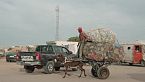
x=98 y=62
x=99 y=51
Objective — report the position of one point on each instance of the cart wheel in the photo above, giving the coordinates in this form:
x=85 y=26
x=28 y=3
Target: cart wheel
x=94 y=72
x=103 y=73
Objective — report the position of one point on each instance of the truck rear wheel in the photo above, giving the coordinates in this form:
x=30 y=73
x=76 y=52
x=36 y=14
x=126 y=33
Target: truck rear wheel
x=103 y=73
x=49 y=68
x=29 y=69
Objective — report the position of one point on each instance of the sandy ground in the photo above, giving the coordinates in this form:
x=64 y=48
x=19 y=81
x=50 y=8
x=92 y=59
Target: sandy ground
x=11 y=72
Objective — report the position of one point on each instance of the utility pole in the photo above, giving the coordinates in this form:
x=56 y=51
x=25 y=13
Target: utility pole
x=57 y=24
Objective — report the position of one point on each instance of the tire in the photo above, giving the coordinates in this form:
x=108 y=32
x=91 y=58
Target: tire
x=143 y=63
x=94 y=72
x=49 y=68
x=7 y=60
x=103 y=73
x=130 y=64
x=10 y=61
x=57 y=68
x=29 y=69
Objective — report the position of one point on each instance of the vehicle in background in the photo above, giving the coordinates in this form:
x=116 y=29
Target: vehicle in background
x=44 y=58
x=2 y=53
x=134 y=54
x=10 y=56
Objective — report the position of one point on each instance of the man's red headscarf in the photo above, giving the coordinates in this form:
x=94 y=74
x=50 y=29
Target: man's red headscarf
x=80 y=29
x=82 y=35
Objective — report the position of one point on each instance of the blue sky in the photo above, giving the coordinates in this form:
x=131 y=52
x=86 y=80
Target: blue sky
x=25 y=22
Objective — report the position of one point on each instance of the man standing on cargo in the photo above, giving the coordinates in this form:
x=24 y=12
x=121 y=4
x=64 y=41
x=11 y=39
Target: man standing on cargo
x=82 y=39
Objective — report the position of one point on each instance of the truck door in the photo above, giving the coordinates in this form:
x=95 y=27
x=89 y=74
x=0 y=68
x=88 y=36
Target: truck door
x=137 y=55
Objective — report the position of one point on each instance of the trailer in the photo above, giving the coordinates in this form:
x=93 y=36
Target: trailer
x=134 y=53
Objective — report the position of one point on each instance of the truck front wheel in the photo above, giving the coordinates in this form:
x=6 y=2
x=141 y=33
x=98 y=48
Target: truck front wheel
x=49 y=67
x=29 y=69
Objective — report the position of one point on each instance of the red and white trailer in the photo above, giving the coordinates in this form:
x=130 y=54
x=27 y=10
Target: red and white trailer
x=134 y=53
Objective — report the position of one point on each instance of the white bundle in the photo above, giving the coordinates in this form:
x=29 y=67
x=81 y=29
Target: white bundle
x=102 y=35
x=103 y=41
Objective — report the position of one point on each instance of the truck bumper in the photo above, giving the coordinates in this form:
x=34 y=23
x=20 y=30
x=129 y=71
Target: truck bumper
x=29 y=63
